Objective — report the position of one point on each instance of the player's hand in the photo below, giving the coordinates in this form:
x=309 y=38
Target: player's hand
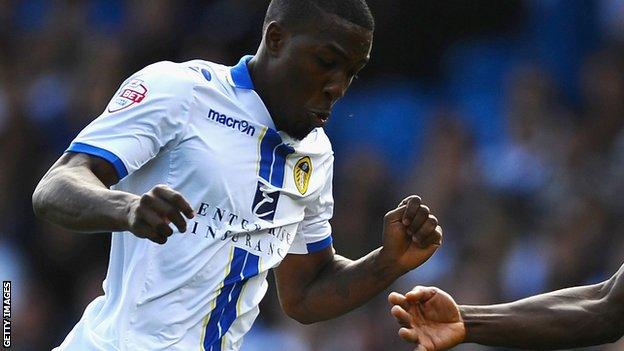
x=429 y=317
x=150 y=214
x=411 y=234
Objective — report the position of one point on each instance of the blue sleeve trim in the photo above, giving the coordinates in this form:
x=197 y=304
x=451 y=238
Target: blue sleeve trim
x=101 y=153
x=319 y=245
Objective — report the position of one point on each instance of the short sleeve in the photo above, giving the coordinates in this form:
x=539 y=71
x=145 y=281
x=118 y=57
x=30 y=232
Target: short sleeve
x=149 y=112
x=315 y=232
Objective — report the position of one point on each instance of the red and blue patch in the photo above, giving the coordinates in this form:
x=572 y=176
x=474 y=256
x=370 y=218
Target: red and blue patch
x=130 y=94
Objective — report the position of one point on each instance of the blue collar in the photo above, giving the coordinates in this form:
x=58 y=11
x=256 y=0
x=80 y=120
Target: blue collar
x=240 y=74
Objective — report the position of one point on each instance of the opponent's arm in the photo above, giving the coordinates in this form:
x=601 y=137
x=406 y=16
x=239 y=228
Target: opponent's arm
x=323 y=285
x=573 y=317
x=75 y=195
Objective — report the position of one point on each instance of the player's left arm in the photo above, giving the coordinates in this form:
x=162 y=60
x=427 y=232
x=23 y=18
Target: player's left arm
x=323 y=285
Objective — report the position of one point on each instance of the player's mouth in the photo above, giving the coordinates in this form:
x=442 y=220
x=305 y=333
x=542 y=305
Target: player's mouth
x=319 y=118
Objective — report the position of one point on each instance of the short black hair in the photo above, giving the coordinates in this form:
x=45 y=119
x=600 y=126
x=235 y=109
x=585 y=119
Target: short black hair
x=299 y=12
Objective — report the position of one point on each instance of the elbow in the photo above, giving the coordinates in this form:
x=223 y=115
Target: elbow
x=39 y=203
x=615 y=323
x=302 y=318
x=612 y=310
x=614 y=331
x=614 y=337
x=298 y=313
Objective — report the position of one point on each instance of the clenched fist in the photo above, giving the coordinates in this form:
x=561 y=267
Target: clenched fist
x=411 y=234
x=150 y=214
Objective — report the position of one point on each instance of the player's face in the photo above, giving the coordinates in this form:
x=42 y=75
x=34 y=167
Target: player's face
x=317 y=66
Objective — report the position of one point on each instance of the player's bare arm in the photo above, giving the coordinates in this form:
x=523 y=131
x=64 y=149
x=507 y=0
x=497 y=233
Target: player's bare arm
x=75 y=194
x=324 y=285
x=574 y=317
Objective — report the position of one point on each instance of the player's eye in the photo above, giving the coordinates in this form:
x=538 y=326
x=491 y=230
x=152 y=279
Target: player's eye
x=325 y=62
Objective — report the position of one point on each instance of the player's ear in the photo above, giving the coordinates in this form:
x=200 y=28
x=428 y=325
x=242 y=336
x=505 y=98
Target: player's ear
x=274 y=37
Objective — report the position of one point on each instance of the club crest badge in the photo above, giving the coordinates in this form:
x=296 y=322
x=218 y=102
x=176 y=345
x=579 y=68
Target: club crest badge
x=302 y=173
x=130 y=94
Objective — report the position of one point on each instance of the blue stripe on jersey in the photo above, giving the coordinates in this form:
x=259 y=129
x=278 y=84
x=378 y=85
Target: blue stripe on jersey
x=319 y=245
x=101 y=153
x=277 y=171
x=229 y=314
x=269 y=142
x=273 y=155
x=244 y=265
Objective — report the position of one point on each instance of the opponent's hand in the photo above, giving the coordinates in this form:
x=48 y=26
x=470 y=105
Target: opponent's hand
x=411 y=234
x=428 y=317
x=150 y=214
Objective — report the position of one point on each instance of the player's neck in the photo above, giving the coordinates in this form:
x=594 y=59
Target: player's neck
x=262 y=83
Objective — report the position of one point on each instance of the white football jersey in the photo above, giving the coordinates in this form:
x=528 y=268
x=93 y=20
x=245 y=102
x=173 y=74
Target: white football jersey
x=258 y=195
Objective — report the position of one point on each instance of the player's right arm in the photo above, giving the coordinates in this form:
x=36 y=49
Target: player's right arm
x=147 y=115
x=574 y=317
x=75 y=195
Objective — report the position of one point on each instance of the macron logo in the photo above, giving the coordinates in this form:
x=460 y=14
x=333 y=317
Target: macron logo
x=240 y=125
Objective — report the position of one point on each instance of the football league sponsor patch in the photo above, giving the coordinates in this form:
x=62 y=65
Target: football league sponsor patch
x=130 y=94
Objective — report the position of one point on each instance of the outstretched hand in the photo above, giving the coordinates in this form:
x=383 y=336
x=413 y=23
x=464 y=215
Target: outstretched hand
x=429 y=317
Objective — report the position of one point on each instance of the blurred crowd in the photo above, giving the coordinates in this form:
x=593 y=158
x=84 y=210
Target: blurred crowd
x=506 y=117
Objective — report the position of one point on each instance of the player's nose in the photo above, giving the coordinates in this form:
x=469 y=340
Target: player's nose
x=336 y=87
